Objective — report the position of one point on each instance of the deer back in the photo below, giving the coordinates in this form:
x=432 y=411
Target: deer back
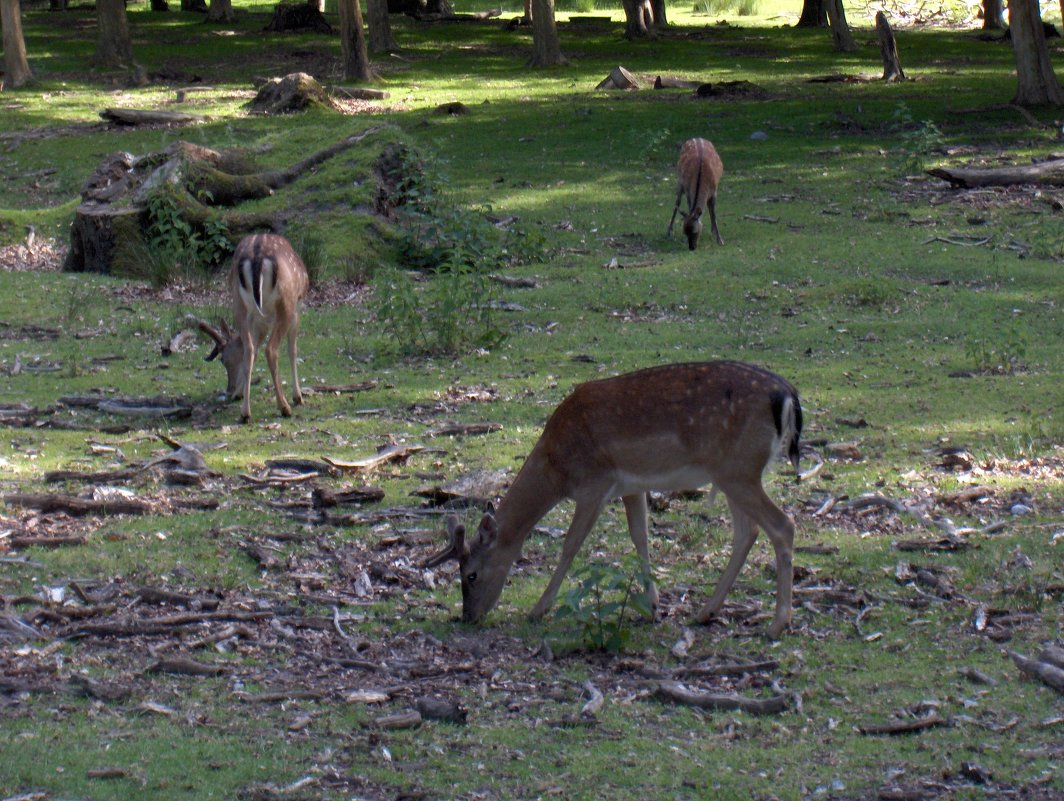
x=267 y=278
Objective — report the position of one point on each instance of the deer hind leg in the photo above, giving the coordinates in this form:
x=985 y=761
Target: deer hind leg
x=743 y=537
x=251 y=342
x=271 y=359
x=293 y=352
x=635 y=509
x=587 y=512
x=750 y=499
x=713 y=218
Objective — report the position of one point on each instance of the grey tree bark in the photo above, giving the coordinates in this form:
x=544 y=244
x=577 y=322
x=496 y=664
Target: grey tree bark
x=353 y=42
x=381 y=39
x=16 y=66
x=546 y=47
x=113 y=46
x=840 y=29
x=814 y=14
x=639 y=19
x=220 y=11
x=1037 y=85
x=994 y=15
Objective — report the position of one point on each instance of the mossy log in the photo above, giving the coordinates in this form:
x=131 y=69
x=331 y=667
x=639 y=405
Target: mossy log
x=206 y=184
x=1043 y=173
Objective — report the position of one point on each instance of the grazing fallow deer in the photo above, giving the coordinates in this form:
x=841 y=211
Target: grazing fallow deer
x=267 y=281
x=700 y=170
x=675 y=427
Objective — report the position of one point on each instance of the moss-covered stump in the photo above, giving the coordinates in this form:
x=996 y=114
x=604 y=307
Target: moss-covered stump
x=297 y=91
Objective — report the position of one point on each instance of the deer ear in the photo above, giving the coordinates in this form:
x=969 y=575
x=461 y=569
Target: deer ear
x=489 y=529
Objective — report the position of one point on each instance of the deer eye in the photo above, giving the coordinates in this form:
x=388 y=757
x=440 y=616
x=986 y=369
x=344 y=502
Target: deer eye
x=471 y=577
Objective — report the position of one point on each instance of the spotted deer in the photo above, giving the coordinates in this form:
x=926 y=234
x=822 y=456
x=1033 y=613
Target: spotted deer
x=674 y=427
x=267 y=282
x=700 y=170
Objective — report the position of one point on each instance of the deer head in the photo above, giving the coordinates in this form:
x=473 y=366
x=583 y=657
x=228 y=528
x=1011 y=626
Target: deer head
x=231 y=350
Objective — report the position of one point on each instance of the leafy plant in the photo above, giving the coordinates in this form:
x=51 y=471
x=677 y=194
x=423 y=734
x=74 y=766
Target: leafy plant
x=188 y=249
x=741 y=8
x=998 y=351
x=604 y=591
x=919 y=139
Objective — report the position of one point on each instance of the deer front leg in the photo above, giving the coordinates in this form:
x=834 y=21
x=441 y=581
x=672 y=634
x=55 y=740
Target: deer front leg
x=713 y=218
x=635 y=509
x=744 y=534
x=676 y=208
x=584 y=518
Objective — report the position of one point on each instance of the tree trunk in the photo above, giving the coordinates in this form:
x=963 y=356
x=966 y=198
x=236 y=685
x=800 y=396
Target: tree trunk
x=220 y=11
x=840 y=29
x=639 y=20
x=317 y=5
x=814 y=14
x=1037 y=85
x=353 y=50
x=199 y=6
x=546 y=48
x=381 y=39
x=994 y=15
x=156 y=5
x=113 y=47
x=16 y=67
x=657 y=8
x=892 y=70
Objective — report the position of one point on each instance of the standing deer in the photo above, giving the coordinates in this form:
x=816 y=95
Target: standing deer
x=675 y=427
x=700 y=170
x=267 y=281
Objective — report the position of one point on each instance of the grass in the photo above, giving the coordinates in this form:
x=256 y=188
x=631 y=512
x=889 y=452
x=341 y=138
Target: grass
x=840 y=271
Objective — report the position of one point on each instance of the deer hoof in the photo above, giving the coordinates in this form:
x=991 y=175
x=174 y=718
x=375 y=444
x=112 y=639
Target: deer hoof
x=245 y=419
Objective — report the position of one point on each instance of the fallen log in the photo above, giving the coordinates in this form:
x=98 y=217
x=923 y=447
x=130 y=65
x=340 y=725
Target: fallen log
x=79 y=506
x=1046 y=672
x=1043 y=173
x=676 y=693
x=664 y=82
x=132 y=116
x=905 y=726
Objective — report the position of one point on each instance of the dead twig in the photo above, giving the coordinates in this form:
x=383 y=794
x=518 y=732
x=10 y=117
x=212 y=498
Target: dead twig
x=676 y=693
x=905 y=726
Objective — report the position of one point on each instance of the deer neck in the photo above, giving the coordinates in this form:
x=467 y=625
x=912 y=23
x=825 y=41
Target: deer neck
x=534 y=492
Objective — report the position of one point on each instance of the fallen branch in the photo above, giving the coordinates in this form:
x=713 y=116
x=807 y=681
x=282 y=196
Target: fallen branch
x=1046 y=672
x=730 y=669
x=390 y=453
x=677 y=693
x=905 y=726
x=1045 y=173
x=184 y=667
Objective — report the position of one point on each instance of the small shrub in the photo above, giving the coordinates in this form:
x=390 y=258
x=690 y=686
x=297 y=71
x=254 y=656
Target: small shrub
x=919 y=139
x=174 y=246
x=597 y=604
x=998 y=351
x=741 y=8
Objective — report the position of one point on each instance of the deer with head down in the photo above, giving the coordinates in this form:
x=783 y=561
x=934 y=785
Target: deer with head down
x=267 y=282
x=700 y=170
x=675 y=427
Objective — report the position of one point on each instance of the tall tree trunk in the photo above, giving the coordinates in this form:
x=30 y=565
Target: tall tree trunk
x=381 y=39
x=1037 y=85
x=156 y=5
x=16 y=66
x=994 y=15
x=639 y=20
x=353 y=42
x=657 y=8
x=113 y=47
x=220 y=11
x=546 y=48
x=814 y=14
x=840 y=29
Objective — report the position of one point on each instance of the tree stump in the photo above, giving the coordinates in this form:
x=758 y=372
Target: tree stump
x=892 y=70
x=298 y=17
x=295 y=92
x=110 y=223
x=619 y=78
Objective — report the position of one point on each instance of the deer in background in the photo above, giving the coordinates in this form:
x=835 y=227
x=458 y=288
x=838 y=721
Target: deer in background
x=267 y=281
x=700 y=169
x=675 y=427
